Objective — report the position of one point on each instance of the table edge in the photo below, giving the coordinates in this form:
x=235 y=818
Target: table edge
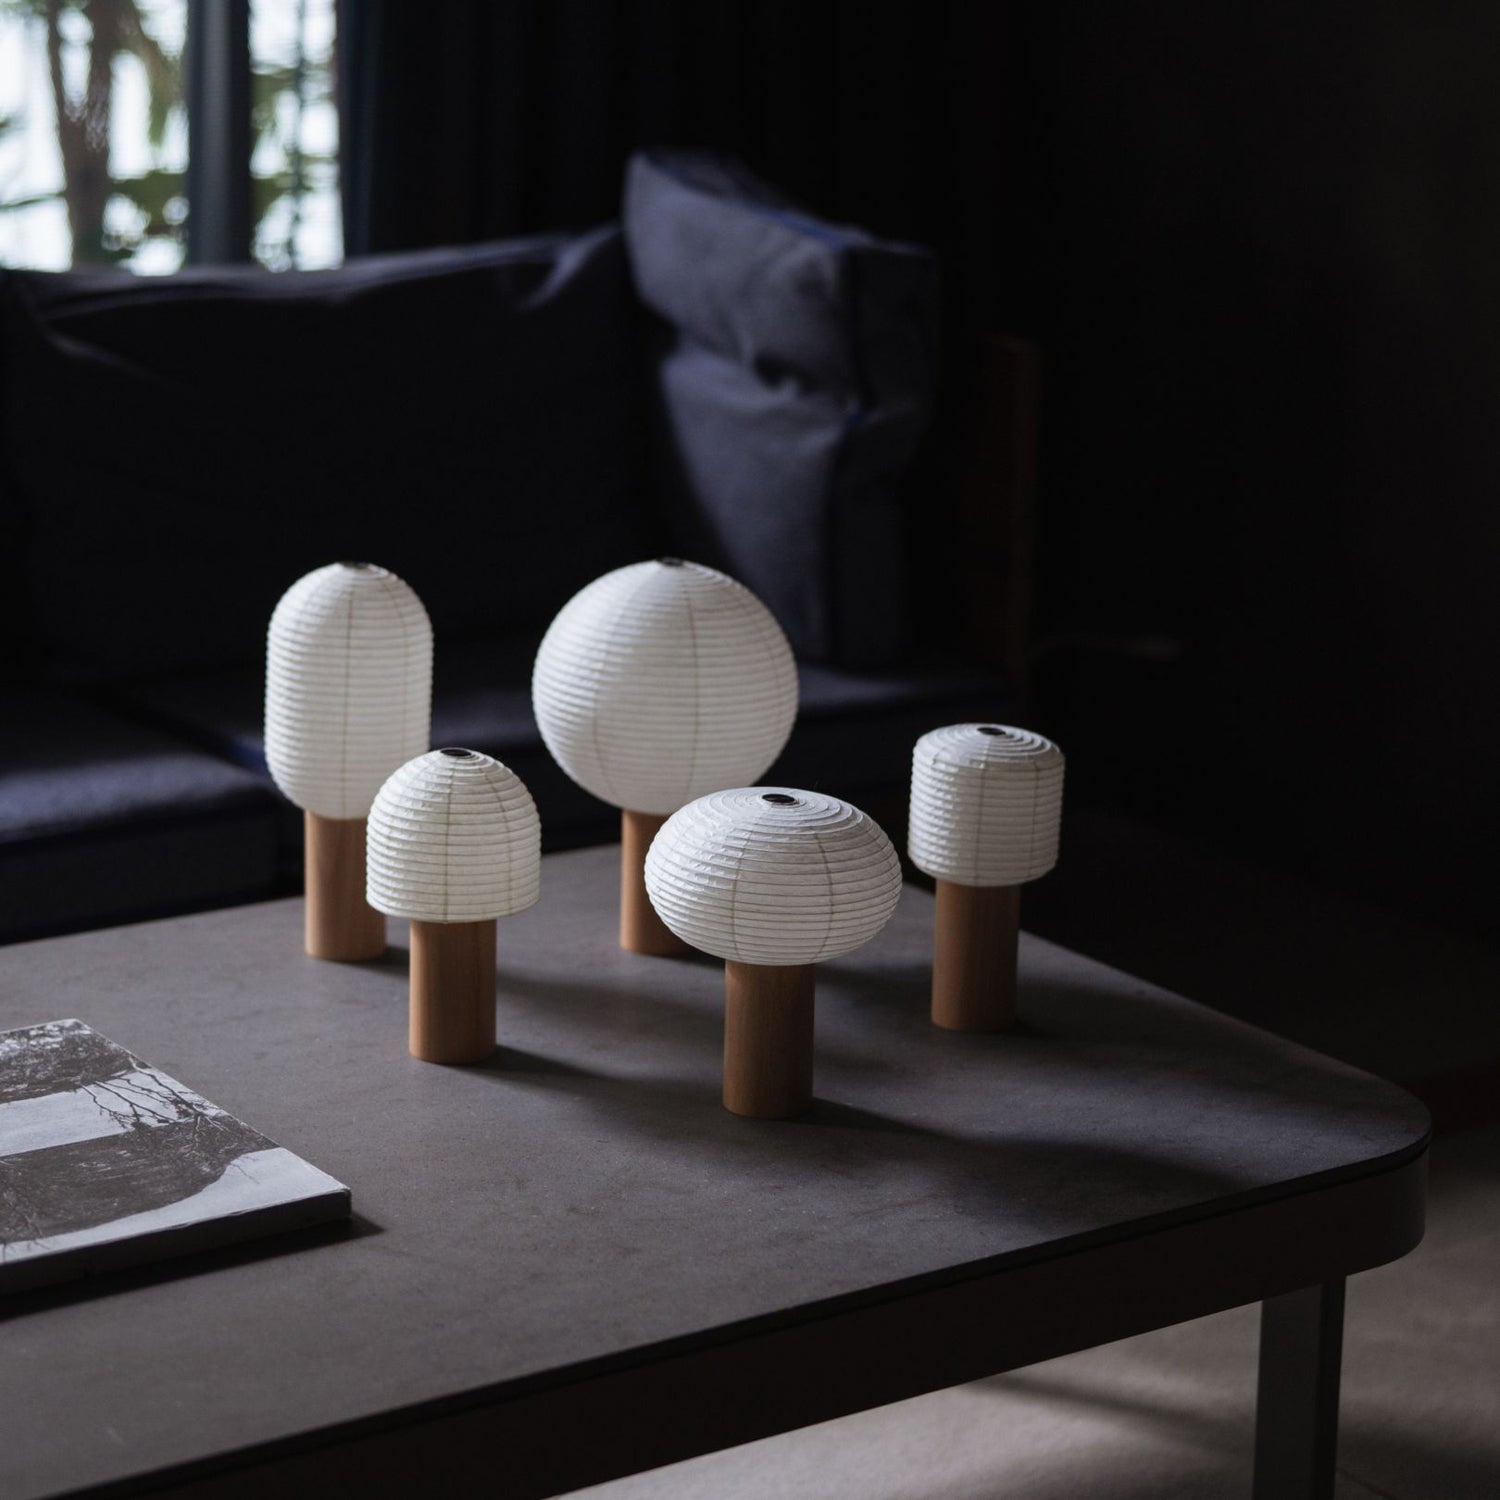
x=558 y=1430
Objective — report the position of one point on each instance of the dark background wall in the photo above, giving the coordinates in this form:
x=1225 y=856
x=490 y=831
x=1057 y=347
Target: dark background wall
x=1258 y=247
x=1266 y=250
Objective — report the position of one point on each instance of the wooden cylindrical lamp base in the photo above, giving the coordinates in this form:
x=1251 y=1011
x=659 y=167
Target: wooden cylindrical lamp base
x=452 y=991
x=974 y=956
x=641 y=930
x=341 y=924
x=768 y=1039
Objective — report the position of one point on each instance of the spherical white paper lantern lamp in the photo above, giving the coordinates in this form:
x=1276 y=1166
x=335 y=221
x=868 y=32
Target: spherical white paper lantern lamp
x=348 y=699
x=986 y=810
x=772 y=880
x=656 y=684
x=454 y=844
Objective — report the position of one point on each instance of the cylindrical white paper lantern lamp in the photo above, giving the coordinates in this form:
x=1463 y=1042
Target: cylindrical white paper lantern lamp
x=772 y=880
x=986 y=810
x=348 y=699
x=454 y=844
x=656 y=684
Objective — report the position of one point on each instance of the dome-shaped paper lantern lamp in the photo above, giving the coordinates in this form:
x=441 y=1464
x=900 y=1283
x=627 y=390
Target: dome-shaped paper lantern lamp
x=771 y=880
x=986 y=807
x=455 y=844
x=656 y=684
x=348 y=700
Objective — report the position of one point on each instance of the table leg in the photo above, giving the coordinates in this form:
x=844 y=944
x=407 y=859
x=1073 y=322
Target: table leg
x=1297 y=1397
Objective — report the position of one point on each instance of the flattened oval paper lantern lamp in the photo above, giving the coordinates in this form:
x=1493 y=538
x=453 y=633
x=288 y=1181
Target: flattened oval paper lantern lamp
x=656 y=684
x=772 y=880
x=986 y=808
x=348 y=700
x=455 y=843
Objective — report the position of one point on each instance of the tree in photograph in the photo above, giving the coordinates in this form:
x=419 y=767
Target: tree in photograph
x=107 y=30
x=288 y=83
x=111 y=216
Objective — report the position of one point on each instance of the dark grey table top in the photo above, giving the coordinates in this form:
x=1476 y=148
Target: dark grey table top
x=585 y=1194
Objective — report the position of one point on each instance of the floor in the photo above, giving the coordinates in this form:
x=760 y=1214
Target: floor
x=1170 y=1414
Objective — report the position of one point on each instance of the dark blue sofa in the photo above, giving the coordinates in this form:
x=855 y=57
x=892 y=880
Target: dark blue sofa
x=720 y=377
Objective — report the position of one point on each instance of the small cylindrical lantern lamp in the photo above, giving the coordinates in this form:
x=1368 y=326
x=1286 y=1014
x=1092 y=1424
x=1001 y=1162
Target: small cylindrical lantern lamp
x=657 y=683
x=455 y=843
x=772 y=880
x=348 y=699
x=986 y=806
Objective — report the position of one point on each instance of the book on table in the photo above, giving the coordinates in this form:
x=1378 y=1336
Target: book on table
x=106 y=1161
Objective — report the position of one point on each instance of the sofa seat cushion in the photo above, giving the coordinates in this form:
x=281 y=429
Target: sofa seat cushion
x=794 y=371
x=184 y=448
x=854 y=734
x=103 y=820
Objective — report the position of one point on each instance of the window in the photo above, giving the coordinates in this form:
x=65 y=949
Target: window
x=294 y=163
x=97 y=123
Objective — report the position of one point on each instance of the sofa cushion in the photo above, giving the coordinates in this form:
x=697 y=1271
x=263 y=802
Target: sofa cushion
x=103 y=820
x=186 y=448
x=854 y=733
x=794 y=376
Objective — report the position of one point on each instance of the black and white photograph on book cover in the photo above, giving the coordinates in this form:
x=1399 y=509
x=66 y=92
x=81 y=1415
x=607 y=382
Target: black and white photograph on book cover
x=105 y=1161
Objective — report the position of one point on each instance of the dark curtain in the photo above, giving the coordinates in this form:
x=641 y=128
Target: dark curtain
x=466 y=120
x=1256 y=245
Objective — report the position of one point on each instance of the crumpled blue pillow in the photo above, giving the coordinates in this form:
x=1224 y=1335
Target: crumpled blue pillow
x=794 y=378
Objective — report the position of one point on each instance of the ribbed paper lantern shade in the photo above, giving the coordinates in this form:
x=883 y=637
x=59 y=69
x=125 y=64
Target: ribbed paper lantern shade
x=348 y=686
x=348 y=700
x=772 y=880
x=454 y=837
x=656 y=684
x=986 y=809
x=455 y=842
x=773 y=875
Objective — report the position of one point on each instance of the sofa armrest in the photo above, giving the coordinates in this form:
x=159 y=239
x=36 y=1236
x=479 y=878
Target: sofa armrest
x=976 y=597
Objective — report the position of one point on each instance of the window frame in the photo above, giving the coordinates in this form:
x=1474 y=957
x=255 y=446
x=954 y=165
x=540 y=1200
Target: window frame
x=216 y=89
